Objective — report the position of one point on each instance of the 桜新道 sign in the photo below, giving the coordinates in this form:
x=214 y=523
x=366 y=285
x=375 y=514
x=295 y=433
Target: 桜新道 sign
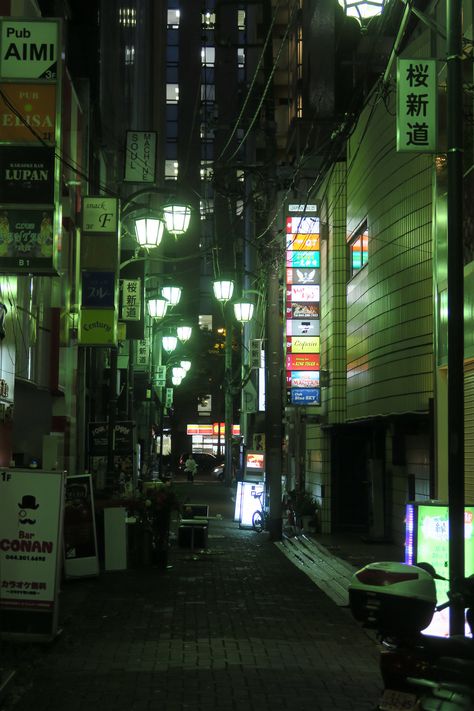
x=417 y=124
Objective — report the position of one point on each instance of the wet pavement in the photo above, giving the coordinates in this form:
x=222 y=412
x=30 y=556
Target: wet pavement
x=235 y=625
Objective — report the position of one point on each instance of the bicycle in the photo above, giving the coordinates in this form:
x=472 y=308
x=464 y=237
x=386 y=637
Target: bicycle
x=259 y=517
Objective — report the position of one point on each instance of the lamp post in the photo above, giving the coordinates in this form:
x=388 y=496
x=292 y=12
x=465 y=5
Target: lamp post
x=223 y=290
x=243 y=312
x=145 y=214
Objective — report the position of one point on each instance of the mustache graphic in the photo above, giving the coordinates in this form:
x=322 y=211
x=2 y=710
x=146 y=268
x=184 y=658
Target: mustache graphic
x=26 y=520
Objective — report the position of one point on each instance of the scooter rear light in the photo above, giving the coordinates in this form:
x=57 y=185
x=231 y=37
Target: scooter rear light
x=382 y=578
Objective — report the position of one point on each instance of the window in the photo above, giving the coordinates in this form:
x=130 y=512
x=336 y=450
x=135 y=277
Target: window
x=208 y=93
x=209 y=20
x=208 y=56
x=358 y=250
x=127 y=16
x=241 y=57
x=241 y=19
x=207 y=171
x=206 y=206
x=173 y=19
x=129 y=55
x=171 y=170
x=172 y=93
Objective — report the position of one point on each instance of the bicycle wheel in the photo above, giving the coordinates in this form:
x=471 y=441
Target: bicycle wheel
x=258 y=521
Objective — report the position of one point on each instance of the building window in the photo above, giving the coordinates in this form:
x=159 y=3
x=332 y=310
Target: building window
x=172 y=93
x=358 y=250
x=173 y=19
x=208 y=56
x=208 y=93
x=206 y=206
x=171 y=169
x=207 y=171
x=241 y=19
x=127 y=16
x=129 y=55
x=208 y=20
x=241 y=57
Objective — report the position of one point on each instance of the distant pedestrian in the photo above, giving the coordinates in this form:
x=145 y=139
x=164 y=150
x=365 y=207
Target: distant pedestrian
x=190 y=467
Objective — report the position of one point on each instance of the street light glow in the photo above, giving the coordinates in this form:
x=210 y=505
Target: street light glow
x=243 y=311
x=172 y=294
x=184 y=333
x=177 y=218
x=169 y=343
x=362 y=9
x=149 y=232
x=157 y=307
x=223 y=289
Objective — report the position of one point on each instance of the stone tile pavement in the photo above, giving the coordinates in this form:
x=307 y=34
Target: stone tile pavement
x=236 y=626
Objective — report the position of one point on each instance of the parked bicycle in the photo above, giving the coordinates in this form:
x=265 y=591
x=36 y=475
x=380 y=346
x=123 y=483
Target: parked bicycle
x=259 y=516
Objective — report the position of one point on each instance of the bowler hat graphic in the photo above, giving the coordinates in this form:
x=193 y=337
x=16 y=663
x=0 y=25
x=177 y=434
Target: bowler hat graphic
x=28 y=502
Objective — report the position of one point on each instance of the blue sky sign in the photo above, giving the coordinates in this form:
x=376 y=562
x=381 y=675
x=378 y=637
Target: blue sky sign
x=305 y=396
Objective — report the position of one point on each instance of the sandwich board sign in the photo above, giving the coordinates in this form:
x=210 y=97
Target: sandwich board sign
x=31 y=518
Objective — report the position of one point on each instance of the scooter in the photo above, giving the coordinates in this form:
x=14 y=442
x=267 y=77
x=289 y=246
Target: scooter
x=419 y=671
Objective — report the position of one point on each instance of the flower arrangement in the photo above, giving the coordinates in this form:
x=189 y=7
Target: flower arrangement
x=154 y=507
x=152 y=511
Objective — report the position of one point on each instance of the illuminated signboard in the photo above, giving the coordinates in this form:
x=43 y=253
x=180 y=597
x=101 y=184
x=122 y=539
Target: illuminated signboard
x=303 y=327
x=302 y=276
x=305 y=396
x=302 y=259
x=302 y=361
x=255 y=461
x=302 y=225
x=210 y=430
x=303 y=344
x=427 y=539
x=303 y=293
x=303 y=378
x=302 y=308
x=301 y=242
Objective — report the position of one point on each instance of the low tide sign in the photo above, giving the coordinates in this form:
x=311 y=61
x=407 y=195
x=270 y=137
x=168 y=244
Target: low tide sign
x=31 y=518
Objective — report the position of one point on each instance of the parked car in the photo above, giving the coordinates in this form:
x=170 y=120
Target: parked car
x=206 y=461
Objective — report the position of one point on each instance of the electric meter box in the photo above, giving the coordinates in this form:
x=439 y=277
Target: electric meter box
x=393 y=598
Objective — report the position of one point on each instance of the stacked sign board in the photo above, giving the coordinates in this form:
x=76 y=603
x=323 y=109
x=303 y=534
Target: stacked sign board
x=30 y=104
x=303 y=305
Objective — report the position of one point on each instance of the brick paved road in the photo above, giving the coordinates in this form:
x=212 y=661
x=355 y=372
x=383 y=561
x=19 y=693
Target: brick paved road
x=239 y=627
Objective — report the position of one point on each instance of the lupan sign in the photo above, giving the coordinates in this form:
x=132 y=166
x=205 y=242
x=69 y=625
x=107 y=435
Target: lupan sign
x=29 y=50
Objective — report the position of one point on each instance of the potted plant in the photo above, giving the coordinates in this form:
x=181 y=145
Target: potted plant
x=307 y=509
x=153 y=513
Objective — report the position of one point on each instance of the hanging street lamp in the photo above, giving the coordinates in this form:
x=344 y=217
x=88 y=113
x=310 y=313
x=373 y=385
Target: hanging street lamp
x=223 y=289
x=157 y=308
x=243 y=311
x=177 y=218
x=171 y=294
x=169 y=343
x=149 y=232
x=184 y=333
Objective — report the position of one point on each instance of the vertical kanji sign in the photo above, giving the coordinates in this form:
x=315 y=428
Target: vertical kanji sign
x=417 y=124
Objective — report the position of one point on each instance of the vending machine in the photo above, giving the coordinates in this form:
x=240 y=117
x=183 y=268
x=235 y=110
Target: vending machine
x=427 y=540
